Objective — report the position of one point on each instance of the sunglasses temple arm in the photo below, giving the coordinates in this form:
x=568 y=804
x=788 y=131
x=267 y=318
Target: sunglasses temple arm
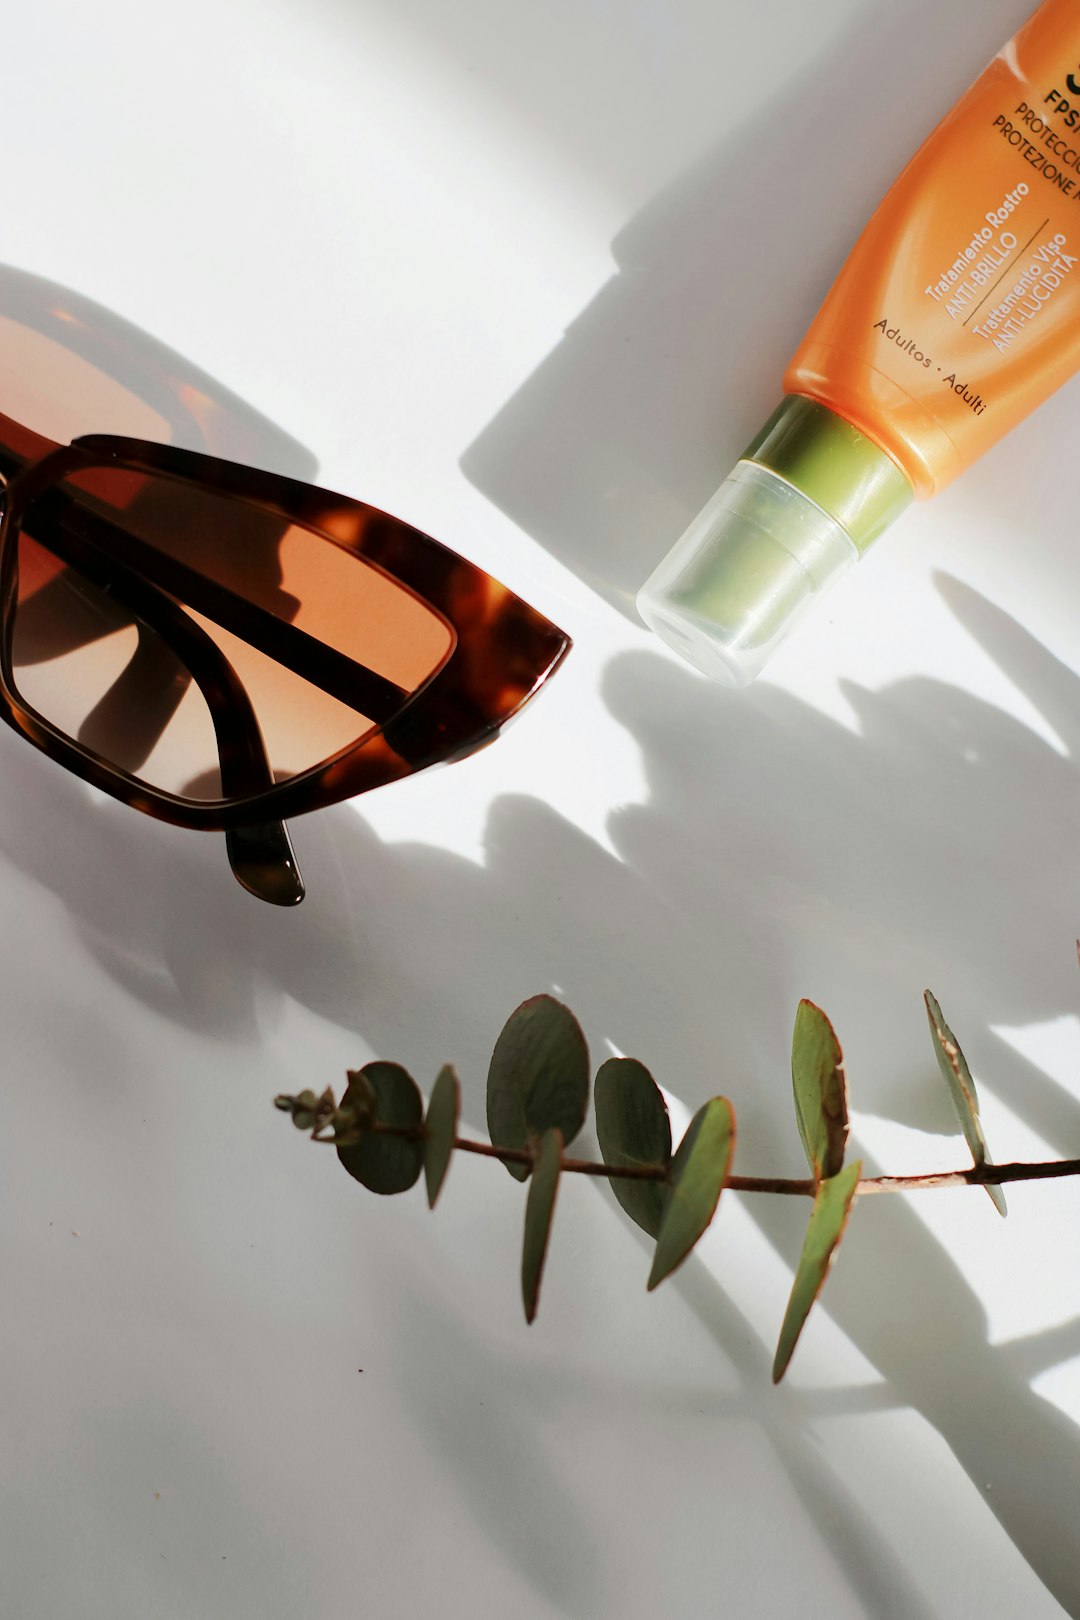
x=345 y=678
x=261 y=855
x=263 y=862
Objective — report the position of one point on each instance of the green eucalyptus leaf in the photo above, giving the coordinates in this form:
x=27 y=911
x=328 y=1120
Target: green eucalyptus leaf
x=957 y=1076
x=384 y=1163
x=440 y=1129
x=828 y=1218
x=817 y=1077
x=698 y=1173
x=538 y=1078
x=633 y=1129
x=358 y=1106
x=539 y=1208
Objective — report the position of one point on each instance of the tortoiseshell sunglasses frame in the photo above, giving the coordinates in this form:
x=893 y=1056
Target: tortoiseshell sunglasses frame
x=502 y=651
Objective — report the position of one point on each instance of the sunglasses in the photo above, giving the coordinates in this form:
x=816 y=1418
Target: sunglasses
x=225 y=648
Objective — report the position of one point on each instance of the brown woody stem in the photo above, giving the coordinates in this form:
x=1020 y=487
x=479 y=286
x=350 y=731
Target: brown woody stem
x=977 y=1176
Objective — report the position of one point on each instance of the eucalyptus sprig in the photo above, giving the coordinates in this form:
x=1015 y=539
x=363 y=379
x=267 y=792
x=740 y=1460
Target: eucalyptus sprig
x=537 y=1101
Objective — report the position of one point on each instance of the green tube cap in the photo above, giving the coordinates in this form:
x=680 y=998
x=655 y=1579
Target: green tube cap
x=811 y=493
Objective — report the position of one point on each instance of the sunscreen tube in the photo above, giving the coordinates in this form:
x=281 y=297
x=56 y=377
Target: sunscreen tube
x=956 y=314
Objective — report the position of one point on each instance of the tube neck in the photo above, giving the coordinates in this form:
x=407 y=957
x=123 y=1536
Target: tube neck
x=833 y=463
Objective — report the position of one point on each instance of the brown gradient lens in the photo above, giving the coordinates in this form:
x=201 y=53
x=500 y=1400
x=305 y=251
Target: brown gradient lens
x=166 y=626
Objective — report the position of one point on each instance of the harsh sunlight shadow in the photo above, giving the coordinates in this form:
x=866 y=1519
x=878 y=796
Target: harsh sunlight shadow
x=746 y=880
x=623 y=433
x=792 y=856
x=70 y=366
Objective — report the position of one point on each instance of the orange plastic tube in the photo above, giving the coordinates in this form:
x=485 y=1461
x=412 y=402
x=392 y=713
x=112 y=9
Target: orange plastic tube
x=958 y=310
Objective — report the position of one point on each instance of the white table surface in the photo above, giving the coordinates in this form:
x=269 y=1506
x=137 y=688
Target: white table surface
x=526 y=272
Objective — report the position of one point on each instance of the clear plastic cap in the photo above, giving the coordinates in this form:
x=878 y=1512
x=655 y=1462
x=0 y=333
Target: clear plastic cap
x=744 y=574
x=812 y=492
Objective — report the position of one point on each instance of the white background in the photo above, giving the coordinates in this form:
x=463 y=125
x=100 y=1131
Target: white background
x=526 y=272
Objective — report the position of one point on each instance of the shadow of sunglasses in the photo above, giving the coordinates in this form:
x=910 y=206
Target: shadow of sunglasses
x=225 y=648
